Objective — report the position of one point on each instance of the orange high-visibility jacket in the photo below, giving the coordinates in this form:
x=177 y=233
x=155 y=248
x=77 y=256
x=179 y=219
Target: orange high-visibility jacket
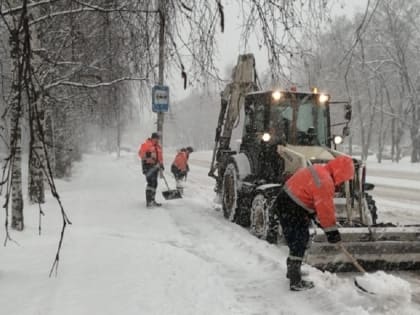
x=181 y=161
x=154 y=150
x=313 y=188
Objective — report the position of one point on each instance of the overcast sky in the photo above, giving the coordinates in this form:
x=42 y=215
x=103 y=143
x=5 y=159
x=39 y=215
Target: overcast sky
x=229 y=42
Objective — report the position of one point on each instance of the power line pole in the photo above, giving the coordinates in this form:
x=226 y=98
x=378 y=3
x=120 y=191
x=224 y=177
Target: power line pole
x=162 y=17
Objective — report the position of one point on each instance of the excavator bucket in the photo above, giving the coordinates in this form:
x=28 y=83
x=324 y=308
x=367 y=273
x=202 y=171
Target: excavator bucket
x=375 y=248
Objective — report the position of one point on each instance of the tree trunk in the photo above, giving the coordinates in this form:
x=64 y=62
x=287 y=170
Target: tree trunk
x=49 y=133
x=36 y=161
x=62 y=154
x=36 y=155
x=394 y=122
x=368 y=135
x=16 y=180
x=415 y=140
x=16 y=47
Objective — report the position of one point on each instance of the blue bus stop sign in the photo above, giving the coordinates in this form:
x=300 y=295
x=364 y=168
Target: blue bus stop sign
x=160 y=98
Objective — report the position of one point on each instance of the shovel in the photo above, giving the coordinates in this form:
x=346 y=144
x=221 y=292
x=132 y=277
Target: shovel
x=379 y=283
x=355 y=264
x=170 y=193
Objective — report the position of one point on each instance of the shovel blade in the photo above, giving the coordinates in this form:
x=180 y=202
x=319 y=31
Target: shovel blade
x=171 y=194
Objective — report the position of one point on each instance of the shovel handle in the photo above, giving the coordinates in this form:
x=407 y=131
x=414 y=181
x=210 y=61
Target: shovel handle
x=352 y=259
x=163 y=176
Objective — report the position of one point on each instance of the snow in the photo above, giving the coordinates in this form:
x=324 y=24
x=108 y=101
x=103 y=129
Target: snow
x=242 y=163
x=387 y=167
x=386 y=285
x=404 y=183
x=403 y=166
x=120 y=257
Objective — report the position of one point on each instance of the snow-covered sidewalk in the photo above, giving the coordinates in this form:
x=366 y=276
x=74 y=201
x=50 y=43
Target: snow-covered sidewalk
x=184 y=258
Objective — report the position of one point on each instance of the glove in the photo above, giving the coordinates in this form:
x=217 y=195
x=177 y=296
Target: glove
x=162 y=167
x=333 y=236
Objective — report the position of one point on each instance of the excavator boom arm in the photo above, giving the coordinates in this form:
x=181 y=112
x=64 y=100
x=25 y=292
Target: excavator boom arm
x=232 y=101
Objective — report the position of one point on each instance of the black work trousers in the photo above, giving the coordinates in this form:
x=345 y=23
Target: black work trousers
x=151 y=174
x=295 y=222
x=178 y=174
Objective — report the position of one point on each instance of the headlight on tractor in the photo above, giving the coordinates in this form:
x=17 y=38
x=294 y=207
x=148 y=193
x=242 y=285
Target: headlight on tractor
x=323 y=98
x=266 y=137
x=338 y=139
x=276 y=95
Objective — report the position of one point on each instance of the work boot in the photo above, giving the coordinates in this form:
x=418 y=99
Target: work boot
x=303 y=273
x=296 y=282
x=149 y=198
x=155 y=204
x=179 y=186
x=302 y=285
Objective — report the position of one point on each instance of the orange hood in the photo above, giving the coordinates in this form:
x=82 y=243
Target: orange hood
x=341 y=169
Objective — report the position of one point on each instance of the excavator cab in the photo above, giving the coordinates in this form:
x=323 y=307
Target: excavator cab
x=287 y=117
x=286 y=130
x=275 y=118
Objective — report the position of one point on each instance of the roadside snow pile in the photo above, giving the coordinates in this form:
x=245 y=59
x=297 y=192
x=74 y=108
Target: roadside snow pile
x=385 y=284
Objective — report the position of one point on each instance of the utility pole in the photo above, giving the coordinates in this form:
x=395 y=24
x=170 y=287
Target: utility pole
x=162 y=17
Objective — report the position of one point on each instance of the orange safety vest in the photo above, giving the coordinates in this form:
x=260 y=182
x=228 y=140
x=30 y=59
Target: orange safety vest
x=181 y=161
x=313 y=188
x=154 y=150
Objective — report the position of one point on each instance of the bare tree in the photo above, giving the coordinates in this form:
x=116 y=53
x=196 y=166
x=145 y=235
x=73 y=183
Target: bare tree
x=376 y=68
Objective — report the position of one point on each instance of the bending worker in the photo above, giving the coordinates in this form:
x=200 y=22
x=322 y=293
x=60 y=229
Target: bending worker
x=150 y=153
x=309 y=194
x=179 y=167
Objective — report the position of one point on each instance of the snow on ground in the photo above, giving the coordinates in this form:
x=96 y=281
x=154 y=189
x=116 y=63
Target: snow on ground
x=403 y=183
x=397 y=191
x=387 y=165
x=119 y=257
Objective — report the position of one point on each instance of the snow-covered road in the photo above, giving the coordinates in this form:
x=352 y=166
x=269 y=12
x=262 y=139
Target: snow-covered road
x=397 y=192
x=184 y=258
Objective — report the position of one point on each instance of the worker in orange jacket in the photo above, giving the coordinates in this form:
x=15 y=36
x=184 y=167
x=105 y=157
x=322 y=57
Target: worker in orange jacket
x=180 y=166
x=150 y=153
x=309 y=194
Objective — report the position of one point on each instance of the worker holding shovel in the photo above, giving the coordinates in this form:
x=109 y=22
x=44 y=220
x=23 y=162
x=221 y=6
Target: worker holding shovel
x=308 y=194
x=180 y=168
x=150 y=153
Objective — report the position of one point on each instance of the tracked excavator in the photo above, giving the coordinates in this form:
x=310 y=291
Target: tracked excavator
x=284 y=130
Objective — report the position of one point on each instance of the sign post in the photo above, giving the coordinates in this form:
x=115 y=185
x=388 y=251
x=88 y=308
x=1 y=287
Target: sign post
x=162 y=22
x=160 y=99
